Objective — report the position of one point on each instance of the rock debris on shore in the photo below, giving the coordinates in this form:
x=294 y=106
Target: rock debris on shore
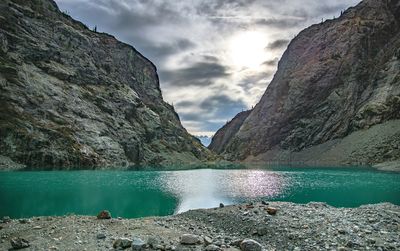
x=247 y=227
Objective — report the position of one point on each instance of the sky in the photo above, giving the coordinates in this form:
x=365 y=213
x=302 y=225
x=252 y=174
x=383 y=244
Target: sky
x=215 y=58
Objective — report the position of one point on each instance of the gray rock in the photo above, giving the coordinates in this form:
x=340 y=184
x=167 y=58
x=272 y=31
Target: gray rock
x=236 y=242
x=190 y=239
x=207 y=240
x=161 y=247
x=152 y=241
x=24 y=221
x=19 y=243
x=212 y=247
x=138 y=244
x=101 y=236
x=262 y=231
x=122 y=243
x=6 y=219
x=250 y=245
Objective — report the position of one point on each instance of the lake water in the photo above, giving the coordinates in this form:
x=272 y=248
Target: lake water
x=146 y=193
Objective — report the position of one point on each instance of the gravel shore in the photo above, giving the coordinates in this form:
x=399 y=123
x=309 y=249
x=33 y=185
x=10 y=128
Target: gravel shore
x=254 y=226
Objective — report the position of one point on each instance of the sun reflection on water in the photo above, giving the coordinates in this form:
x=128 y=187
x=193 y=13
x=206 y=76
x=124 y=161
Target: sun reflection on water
x=207 y=188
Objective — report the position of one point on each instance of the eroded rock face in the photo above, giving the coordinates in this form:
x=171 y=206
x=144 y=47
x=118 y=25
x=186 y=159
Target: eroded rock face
x=335 y=79
x=71 y=98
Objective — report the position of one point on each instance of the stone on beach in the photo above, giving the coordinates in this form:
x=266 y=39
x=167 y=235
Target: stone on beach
x=191 y=239
x=122 y=243
x=250 y=245
x=19 y=243
x=103 y=215
x=138 y=244
x=271 y=210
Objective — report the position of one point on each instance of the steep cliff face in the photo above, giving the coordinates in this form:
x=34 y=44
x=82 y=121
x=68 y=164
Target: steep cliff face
x=336 y=80
x=71 y=98
x=224 y=135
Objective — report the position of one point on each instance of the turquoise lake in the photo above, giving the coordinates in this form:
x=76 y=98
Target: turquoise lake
x=133 y=194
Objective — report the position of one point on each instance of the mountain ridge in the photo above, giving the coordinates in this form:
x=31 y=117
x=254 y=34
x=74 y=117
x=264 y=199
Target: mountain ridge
x=74 y=98
x=335 y=79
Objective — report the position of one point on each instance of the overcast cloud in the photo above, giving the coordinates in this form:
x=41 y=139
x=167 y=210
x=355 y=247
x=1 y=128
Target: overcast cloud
x=208 y=69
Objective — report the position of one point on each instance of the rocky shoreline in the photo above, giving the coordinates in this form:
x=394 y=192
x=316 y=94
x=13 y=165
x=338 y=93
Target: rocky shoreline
x=254 y=226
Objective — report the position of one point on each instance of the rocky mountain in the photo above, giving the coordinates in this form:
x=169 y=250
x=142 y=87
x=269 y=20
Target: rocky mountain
x=335 y=98
x=74 y=98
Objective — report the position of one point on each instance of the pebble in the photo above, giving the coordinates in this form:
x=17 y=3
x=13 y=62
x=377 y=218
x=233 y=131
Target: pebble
x=19 y=243
x=23 y=221
x=250 y=245
x=138 y=244
x=6 y=219
x=122 y=243
x=262 y=231
x=207 y=240
x=221 y=205
x=271 y=210
x=212 y=247
x=152 y=241
x=190 y=239
x=101 y=236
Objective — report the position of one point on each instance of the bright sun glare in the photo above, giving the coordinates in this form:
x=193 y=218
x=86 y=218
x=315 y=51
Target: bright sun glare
x=247 y=49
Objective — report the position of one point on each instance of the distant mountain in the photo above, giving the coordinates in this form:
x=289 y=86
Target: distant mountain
x=74 y=98
x=335 y=98
x=205 y=140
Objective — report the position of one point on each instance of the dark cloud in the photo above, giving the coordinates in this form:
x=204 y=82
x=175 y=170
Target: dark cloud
x=222 y=106
x=160 y=52
x=216 y=7
x=199 y=74
x=209 y=58
x=283 y=23
x=277 y=44
x=254 y=79
x=272 y=62
x=185 y=103
x=191 y=116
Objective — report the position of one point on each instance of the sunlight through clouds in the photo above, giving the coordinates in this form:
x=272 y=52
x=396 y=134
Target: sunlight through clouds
x=215 y=58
